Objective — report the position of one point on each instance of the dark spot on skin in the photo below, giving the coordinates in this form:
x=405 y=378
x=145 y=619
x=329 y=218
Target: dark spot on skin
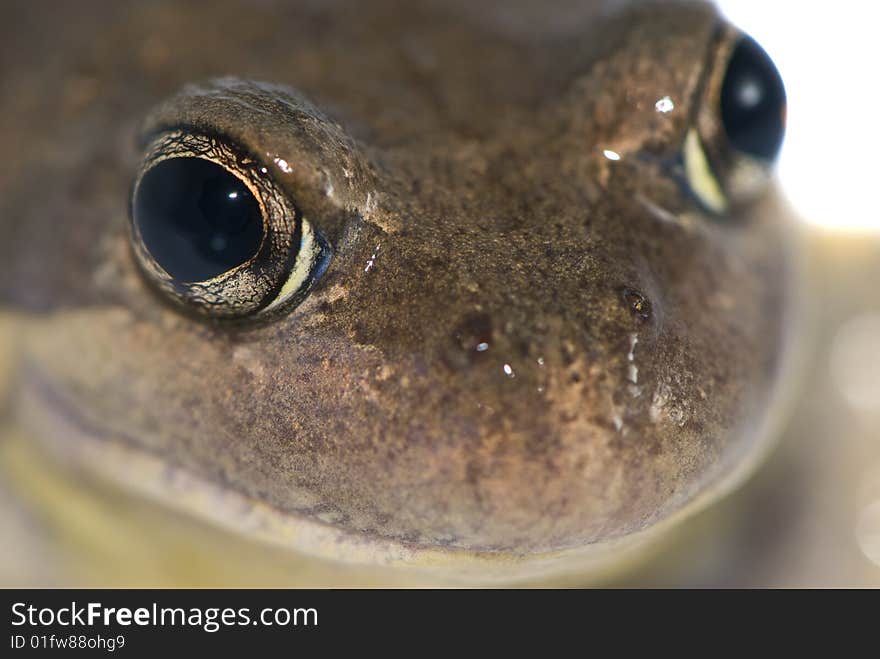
x=470 y=339
x=637 y=303
x=472 y=473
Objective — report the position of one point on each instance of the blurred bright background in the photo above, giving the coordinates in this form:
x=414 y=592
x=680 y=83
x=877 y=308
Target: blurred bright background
x=828 y=53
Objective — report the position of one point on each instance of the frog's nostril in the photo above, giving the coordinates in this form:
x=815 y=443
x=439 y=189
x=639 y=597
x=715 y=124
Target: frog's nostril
x=636 y=301
x=472 y=337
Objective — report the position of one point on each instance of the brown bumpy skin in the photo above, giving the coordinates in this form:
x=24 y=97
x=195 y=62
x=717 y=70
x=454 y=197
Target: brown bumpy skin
x=522 y=343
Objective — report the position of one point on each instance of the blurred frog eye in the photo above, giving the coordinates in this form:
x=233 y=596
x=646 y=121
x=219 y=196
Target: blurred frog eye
x=212 y=230
x=753 y=102
x=730 y=151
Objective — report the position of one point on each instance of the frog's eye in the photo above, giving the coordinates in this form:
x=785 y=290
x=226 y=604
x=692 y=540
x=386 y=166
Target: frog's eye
x=753 y=102
x=728 y=155
x=213 y=231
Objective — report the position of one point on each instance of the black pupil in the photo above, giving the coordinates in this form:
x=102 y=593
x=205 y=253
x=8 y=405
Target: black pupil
x=196 y=219
x=753 y=101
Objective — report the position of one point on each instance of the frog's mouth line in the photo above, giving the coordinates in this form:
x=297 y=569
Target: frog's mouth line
x=65 y=433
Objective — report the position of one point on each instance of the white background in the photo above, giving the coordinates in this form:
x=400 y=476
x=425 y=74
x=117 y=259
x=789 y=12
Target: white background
x=829 y=56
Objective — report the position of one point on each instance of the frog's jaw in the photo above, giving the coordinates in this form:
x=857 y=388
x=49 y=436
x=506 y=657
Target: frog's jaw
x=65 y=454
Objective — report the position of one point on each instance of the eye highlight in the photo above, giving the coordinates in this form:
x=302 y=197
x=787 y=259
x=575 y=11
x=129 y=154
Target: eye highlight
x=213 y=231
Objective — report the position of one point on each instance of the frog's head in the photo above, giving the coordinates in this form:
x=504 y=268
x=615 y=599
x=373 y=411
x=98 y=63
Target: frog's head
x=482 y=285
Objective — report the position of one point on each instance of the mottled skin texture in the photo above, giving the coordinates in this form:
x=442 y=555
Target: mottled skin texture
x=452 y=155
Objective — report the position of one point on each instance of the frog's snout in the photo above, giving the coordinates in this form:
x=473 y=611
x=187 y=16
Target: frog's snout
x=523 y=419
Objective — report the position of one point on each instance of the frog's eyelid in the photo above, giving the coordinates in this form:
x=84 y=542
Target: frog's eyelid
x=279 y=126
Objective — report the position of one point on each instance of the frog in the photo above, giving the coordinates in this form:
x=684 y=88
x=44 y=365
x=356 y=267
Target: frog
x=474 y=292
